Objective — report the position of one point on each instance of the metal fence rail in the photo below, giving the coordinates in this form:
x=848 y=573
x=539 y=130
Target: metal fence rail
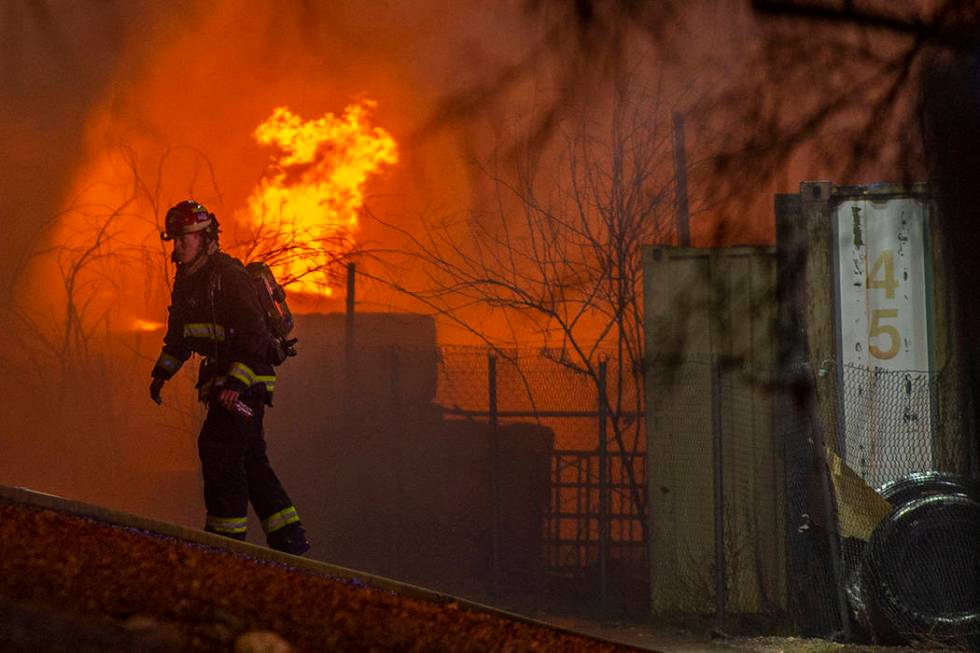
x=577 y=518
x=593 y=531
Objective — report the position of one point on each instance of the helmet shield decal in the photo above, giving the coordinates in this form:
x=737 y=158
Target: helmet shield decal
x=184 y=218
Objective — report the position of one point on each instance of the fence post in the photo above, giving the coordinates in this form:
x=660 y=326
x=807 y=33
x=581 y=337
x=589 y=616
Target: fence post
x=349 y=343
x=394 y=379
x=973 y=438
x=494 y=479
x=717 y=462
x=829 y=503
x=680 y=174
x=396 y=557
x=603 y=493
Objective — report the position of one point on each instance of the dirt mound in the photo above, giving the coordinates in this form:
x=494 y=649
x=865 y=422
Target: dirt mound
x=71 y=583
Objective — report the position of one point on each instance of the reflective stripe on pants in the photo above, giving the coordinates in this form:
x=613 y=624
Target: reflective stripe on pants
x=236 y=468
x=273 y=523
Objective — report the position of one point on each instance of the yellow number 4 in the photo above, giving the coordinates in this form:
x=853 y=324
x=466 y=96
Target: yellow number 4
x=888 y=283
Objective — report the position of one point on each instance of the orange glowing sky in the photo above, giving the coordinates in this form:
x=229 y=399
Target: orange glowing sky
x=235 y=124
x=180 y=113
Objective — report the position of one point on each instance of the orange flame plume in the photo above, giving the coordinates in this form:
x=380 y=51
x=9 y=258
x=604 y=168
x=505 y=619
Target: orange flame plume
x=305 y=209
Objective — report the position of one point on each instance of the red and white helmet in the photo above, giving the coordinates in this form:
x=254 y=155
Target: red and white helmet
x=187 y=217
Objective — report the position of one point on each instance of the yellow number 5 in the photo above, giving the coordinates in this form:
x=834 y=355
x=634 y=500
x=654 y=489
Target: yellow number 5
x=878 y=329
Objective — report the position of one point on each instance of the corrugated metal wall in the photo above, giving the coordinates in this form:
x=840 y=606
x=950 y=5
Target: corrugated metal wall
x=708 y=308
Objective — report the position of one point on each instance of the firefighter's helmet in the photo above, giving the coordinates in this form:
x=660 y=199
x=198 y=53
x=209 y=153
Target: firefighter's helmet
x=187 y=217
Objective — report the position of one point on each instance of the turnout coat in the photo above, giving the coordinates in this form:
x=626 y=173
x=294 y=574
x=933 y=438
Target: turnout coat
x=215 y=312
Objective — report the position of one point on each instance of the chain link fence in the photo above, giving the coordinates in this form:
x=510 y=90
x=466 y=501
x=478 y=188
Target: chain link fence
x=717 y=475
x=904 y=508
x=751 y=520
x=887 y=424
x=850 y=516
x=407 y=460
x=593 y=536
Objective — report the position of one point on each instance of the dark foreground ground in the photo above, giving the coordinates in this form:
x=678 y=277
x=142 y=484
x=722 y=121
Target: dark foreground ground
x=70 y=583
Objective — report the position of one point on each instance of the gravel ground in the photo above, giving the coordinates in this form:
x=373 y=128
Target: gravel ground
x=675 y=639
x=804 y=645
x=71 y=583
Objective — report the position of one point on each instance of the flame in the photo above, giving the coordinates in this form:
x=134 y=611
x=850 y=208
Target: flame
x=311 y=198
x=147 y=325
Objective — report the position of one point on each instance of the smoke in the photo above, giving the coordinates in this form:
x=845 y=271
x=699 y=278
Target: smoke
x=115 y=111
x=164 y=104
x=55 y=66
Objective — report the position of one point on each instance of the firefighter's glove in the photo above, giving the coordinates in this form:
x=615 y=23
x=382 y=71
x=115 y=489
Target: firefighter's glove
x=280 y=349
x=155 y=388
x=227 y=398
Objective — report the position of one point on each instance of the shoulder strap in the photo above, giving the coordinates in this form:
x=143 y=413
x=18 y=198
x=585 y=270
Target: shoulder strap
x=214 y=287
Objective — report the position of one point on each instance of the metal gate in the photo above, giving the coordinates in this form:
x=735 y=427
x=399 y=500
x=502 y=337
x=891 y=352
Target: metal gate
x=593 y=535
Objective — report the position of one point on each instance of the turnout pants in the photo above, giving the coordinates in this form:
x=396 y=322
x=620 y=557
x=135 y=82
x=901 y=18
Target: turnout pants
x=237 y=472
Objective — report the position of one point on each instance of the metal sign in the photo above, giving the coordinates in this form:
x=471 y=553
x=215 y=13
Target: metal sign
x=883 y=316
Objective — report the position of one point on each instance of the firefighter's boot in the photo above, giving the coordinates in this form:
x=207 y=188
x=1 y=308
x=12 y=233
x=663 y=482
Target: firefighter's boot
x=289 y=539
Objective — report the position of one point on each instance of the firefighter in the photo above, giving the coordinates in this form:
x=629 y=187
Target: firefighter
x=216 y=314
